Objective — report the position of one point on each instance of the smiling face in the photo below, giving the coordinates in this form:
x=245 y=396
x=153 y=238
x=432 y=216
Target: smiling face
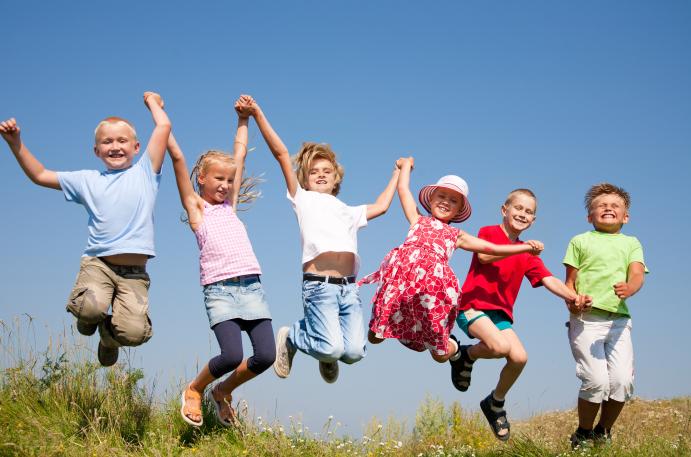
x=116 y=145
x=445 y=203
x=216 y=181
x=518 y=214
x=608 y=213
x=321 y=176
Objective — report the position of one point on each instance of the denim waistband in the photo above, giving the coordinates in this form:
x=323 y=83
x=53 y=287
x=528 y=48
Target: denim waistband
x=236 y=280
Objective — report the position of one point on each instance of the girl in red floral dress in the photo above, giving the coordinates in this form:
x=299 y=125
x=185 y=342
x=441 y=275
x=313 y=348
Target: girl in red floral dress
x=418 y=295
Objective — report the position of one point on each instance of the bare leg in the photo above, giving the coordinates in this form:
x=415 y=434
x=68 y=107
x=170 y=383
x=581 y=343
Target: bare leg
x=610 y=413
x=372 y=338
x=239 y=376
x=451 y=348
x=493 y=343
x=515 y=361
x=587 y=411
x=194 y=392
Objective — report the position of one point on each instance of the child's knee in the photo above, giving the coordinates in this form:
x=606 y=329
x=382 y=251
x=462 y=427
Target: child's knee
x=329 y=352
x=88 y=305
x=353 y=354
x=499 y=347
x=621 y=387
x=132 y=332
x=518 y=357
x=595 y=388
x=262 y=360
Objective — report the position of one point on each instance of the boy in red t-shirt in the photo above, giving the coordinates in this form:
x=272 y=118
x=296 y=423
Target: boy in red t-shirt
x=486 y=309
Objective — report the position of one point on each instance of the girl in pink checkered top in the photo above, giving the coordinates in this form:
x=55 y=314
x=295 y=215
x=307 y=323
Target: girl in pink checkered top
x=229 y=271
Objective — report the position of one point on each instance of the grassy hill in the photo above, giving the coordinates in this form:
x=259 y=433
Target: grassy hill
x=57 y=404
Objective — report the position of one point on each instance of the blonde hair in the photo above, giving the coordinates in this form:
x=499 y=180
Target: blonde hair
x=520 y=191
x=605 y=188
x=248 y=192
x=115 y=120
x=308 y=153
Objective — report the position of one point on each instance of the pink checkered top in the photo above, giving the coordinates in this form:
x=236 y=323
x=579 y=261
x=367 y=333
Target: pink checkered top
x=225 y=250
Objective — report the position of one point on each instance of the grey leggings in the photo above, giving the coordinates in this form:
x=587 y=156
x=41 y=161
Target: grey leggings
x=229 y=336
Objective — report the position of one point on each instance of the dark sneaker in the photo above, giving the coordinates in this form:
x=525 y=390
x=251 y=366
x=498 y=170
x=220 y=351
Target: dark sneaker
x=581 y=439
x=329 y=371
x=601 y=436
x=284 y=353
x=461 y=369
x=107 y=356
x=86 y=329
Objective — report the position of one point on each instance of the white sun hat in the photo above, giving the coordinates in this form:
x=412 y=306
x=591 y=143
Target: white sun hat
x=451 y=182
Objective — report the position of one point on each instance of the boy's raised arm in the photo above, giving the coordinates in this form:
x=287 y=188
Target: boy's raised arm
x=188 y=197
x=159 y=137
x=278 y=149
x=383 y=202
x=34 y=169
x=405 y=196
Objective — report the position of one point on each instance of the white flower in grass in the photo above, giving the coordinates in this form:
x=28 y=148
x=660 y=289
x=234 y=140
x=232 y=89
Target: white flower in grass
x=428 y=301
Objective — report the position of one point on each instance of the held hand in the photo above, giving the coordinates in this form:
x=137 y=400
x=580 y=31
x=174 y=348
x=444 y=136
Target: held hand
x=9 y=130
x=405 y=161
x=572 y=306
x=253 y=107
x=586 y=302
x=623 y=290
x=536 y=247
x=243 y=106
x=152 y=97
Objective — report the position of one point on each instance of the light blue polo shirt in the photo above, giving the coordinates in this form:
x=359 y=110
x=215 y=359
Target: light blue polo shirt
x=120 y=204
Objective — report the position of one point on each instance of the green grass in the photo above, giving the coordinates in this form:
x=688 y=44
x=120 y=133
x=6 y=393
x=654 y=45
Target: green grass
x=58 y=403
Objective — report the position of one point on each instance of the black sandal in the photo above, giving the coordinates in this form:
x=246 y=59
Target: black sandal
x=497 y=419
x=461 y=369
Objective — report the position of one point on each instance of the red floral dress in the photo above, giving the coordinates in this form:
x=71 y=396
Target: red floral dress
x=418 y=295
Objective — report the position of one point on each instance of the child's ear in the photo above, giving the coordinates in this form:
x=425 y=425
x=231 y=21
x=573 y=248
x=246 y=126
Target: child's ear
x=626 y=218
x=503 y=210
x=136 y=147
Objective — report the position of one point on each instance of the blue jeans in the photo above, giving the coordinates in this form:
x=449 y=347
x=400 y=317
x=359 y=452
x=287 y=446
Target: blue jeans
x=333 y=327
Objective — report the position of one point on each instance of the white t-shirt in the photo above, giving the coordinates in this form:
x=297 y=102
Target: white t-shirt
x=327 y=224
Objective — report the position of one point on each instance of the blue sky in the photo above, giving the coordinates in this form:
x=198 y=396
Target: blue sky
x=554 y=96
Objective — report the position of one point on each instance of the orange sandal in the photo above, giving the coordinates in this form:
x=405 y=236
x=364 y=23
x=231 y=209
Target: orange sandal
x=191 y=404
x=224 y=408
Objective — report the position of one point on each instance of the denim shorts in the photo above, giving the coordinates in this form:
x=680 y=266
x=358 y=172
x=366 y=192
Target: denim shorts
x=236 y=298
x=467 y=317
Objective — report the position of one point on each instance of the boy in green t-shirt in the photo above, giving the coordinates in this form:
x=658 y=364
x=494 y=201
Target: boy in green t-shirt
x=608 y=266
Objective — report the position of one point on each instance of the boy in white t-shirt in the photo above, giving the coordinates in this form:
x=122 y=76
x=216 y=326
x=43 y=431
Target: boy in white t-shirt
x=333 y=326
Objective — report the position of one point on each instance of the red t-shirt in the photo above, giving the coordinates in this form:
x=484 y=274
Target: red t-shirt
x=495 y=286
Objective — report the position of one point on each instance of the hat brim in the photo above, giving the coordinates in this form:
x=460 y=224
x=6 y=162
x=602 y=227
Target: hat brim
x=426 y=194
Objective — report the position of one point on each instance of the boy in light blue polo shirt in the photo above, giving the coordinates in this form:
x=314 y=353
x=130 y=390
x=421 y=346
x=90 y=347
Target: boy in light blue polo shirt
x=120 y=204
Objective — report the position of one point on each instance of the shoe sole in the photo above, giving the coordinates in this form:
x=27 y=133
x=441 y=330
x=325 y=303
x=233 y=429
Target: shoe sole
x=324 y=377
x=281 y=343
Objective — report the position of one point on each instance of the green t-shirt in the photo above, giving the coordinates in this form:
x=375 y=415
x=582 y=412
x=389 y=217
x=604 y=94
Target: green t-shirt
x=602 y=260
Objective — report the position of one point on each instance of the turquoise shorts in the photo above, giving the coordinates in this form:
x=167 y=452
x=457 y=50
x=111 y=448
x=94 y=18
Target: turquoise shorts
x=467 y=317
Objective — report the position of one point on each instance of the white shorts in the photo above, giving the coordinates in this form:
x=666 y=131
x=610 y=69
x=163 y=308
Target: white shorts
x=603 y=352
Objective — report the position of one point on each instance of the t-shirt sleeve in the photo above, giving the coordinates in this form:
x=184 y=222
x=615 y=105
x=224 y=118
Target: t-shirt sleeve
x=359 y=215
x=573 y=255
x=536 y=270
x=636 y=254
x=72 y=184
x=153 y=177
x=484 y=233
x=293 y=199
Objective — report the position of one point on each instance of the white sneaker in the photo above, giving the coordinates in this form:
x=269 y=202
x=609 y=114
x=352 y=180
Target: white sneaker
x=284 y=353
x=329 y=371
